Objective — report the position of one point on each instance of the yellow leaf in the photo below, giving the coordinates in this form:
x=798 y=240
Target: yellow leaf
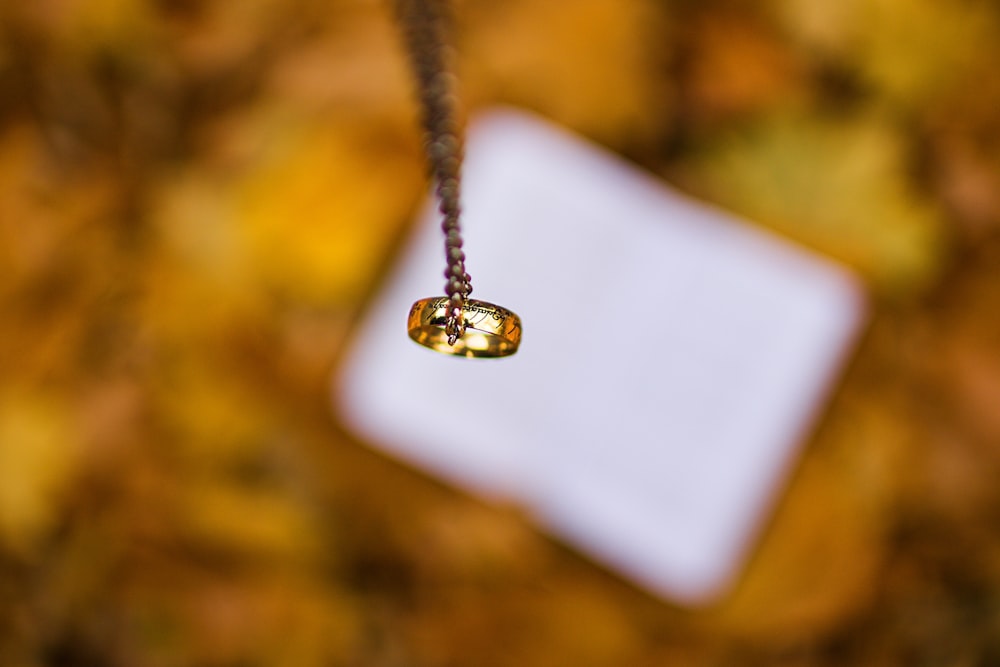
x=589 y=64
x=318 y=209
x=259 y=525
x=839 y=187
x=37 y=461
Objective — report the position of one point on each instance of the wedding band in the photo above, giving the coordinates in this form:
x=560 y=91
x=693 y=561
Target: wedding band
x=490 y=331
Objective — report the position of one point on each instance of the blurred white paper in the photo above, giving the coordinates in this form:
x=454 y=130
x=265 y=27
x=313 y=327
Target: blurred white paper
x=673 y=359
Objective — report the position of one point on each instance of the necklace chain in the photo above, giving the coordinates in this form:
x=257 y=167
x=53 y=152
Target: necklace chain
x=424 y=28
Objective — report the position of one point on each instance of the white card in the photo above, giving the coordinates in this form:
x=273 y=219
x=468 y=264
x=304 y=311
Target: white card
x=672 y=361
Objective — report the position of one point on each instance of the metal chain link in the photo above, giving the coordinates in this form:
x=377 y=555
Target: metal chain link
x=424 y=28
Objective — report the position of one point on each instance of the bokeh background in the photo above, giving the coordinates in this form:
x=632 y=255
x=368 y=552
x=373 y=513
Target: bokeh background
x=197 y=199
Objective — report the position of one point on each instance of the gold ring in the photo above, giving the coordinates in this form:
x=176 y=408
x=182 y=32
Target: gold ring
x=490 y=331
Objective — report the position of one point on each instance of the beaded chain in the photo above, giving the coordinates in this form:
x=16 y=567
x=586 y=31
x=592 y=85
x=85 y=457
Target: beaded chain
x=424 y=28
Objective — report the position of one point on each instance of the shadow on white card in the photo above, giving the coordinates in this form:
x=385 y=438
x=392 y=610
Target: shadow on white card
x=673 y=359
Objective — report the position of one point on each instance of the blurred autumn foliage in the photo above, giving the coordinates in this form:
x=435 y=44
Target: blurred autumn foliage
x=197 y=197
